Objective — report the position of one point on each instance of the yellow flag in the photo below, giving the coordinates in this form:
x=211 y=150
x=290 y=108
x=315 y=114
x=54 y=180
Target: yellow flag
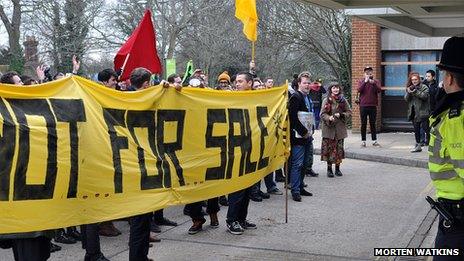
x=245 y=11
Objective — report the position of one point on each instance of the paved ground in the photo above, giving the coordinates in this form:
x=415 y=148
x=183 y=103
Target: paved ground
x=373 y=205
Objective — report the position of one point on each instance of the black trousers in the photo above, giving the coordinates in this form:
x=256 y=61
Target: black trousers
x=424 y=124
x=31 y=249
x=450 y=238
x=238 y=205
x=139 y=237
x=91 y=240
x=195 y=208
x=371 y=112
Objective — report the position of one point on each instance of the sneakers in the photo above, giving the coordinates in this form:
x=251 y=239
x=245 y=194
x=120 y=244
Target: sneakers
x=363 y=144
x=247 y=225
x=311 y=173
x=375 y=144
x=417 y=148
x=255 y=197
x=304 y=192
x=223 y=201
x=154 y=239
x=275 y=191
x=235 y=228
x=197 y=226
x=63 y=238
x=54 y=247
x=264 y=195
x=296 y=197
x=154 y=227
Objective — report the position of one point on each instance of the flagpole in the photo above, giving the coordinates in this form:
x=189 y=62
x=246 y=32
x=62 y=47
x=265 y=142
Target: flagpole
x=253 y=50
x=124 y=65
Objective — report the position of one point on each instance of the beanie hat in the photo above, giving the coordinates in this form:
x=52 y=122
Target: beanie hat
x=224 y=76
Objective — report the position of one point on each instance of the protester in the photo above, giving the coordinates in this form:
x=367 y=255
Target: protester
x=239 y=200
x=109 y=78
x=316 y=93
x=269 y=83
x=334 y=115
x=301 y=139
x=224 y=82
x=417 y=97
x=368 y=89
x=30 y=246
x=139 y=237
x=432 y=84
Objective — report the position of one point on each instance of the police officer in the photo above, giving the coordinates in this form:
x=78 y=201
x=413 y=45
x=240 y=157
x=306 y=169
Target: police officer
x=446 y=150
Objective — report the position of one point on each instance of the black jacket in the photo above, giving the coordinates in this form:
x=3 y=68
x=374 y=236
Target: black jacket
x=296 y=104
x=433 y=93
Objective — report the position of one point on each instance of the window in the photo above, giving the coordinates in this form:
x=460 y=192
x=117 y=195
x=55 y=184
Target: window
x=397 y=65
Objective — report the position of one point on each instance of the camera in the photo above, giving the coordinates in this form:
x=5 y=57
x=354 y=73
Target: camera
x=371 y=77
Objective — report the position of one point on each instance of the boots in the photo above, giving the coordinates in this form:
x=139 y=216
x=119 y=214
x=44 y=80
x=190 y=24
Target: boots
x=107 y=229
x=337 y=171
x=329 y=171
x=214 y=220
x=197 y=226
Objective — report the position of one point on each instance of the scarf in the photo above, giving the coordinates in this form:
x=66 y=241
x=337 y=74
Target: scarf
x=339 y=99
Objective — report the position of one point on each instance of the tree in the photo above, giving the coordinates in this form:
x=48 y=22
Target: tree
x=12 y=26
x=64 y=29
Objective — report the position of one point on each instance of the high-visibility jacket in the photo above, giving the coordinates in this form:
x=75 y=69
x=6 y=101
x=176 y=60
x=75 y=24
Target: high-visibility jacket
x=446 y=147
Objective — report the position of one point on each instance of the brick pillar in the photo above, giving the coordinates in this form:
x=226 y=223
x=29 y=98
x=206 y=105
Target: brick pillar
x=30 y=56
x=365 y=51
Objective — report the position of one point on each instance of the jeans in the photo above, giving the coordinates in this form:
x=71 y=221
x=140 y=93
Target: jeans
x=308 y=156
x=366 y=111
x=423 y=124
x=238 y=205
x=91 y=240
x=297 y=161
x=317 y=117
x=195 y=208
x=139 y=237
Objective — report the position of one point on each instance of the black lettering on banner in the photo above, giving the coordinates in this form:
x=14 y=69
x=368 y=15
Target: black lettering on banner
x=216 y=116
x=7 y=148
x=261 y=113
x=236 y=140
x=71 y=111
x=145 y=119
x=40 y=107
x=248 y=146
x=115 y=117
x=170 y=148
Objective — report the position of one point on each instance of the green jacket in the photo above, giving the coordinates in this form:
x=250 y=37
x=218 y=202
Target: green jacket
x=418 y=103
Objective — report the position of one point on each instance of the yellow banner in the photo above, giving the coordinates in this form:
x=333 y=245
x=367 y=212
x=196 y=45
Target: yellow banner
x=75 y=152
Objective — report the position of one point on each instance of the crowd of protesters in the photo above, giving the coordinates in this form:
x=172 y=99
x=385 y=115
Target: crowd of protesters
x=311 y=106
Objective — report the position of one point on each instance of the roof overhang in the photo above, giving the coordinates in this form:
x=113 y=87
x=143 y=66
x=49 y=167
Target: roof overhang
x=420 y=18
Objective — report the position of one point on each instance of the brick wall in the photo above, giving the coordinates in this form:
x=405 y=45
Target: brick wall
x=366 y=51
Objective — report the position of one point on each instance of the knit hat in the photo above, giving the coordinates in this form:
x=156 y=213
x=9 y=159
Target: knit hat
x=224 y=76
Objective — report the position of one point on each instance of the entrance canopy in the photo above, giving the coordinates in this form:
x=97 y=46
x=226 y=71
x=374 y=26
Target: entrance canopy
x=415 y=17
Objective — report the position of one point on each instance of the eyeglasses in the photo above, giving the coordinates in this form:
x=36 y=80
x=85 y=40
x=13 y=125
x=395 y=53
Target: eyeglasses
x=223 y=82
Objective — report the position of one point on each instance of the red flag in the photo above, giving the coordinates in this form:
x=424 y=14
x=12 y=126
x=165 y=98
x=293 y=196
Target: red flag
x=139 y=50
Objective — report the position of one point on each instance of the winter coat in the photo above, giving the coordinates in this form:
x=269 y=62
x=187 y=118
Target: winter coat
x=335 y=129
x=418 y=103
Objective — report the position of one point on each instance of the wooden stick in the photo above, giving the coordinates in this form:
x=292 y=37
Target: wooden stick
x=253 y=51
